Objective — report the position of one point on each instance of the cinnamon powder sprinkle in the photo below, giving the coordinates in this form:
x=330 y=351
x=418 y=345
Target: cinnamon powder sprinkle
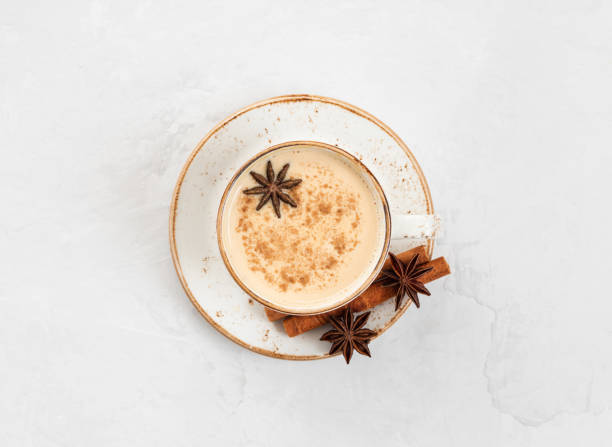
x=304 y=249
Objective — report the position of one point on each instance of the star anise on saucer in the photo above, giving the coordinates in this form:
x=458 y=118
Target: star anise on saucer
x=406 y=278
x=271 y=188
x=348 y=334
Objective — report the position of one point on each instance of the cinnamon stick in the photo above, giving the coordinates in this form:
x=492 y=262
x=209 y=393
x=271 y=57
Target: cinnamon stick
x=373 y=296
x=274 y=315
x=405 y=256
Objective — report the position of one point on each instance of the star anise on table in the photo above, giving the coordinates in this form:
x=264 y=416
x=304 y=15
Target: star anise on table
x=406 y=278
x=348 y=334
x=271 y=188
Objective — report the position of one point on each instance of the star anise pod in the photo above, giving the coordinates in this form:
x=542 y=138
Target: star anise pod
x=348 y=334
x=406 y=278
x=271 y=188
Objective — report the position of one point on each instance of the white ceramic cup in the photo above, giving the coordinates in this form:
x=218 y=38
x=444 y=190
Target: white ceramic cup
x=396 y=226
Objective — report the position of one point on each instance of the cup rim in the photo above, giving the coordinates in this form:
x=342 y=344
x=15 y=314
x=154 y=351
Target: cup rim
x=379 y=263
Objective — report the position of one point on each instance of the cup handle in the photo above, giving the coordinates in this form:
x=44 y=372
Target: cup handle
x=414 y=226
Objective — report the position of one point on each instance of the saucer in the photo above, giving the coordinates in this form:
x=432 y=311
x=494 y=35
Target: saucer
x=200 y=186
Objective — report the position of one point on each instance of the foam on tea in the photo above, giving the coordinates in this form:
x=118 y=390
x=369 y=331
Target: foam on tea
x=317 y=253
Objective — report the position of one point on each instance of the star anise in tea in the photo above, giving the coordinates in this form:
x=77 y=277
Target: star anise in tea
x=271 y=188
x=406 y=278
x=348 y=334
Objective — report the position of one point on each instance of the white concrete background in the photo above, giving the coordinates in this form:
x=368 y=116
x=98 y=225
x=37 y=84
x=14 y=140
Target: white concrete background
x=508 y=108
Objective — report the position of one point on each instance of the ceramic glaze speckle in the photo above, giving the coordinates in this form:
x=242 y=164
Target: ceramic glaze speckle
x=223 y=152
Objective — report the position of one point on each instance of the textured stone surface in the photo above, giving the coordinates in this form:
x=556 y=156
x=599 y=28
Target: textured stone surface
x=507 y=107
